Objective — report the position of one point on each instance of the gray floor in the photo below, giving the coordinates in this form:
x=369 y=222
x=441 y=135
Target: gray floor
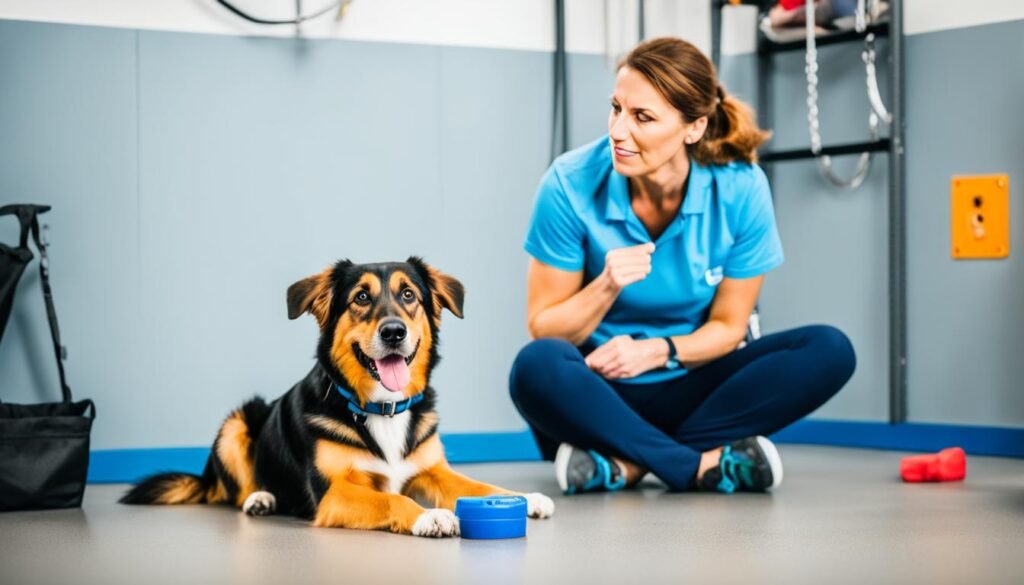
x=841 y=516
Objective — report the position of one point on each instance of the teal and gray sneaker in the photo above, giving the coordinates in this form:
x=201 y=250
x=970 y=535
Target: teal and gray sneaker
x=581 y=471
x=751 y=465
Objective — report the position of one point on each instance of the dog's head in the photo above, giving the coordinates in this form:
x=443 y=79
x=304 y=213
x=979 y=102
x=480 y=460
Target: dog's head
x=378 y=323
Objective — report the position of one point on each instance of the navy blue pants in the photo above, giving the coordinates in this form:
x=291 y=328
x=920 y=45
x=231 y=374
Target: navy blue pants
x=664 y=427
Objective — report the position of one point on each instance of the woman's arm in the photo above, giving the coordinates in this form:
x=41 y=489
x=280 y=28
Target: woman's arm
x=557 y=306
x=624 y=357
x=726 y=325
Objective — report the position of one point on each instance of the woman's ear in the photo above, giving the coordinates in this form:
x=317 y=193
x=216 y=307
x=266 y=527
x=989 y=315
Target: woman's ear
x=695 y=130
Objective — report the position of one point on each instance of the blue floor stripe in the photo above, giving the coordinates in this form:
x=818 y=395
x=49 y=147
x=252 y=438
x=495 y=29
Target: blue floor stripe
x=129 y=465
x=995 y=441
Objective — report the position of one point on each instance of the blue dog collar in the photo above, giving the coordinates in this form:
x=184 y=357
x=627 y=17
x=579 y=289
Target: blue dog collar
x=387 y=409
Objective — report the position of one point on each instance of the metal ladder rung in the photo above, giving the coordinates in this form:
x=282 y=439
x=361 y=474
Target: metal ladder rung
x=881 y=145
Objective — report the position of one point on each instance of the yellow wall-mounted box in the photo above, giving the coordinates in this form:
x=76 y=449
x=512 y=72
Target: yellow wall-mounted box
x=980 y=216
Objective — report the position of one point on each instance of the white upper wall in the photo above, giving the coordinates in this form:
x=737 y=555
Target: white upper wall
x=594 y=26
x=520 y=24
x=922 y=16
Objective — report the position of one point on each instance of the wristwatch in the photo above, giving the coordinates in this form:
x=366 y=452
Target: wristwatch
x=673 y=360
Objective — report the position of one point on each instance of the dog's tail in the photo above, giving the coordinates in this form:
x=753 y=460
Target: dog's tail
x=231 y=456
x=167 y=488
x=175 y=488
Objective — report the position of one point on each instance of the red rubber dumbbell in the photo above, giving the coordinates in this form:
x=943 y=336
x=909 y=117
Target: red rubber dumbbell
x=946 y=465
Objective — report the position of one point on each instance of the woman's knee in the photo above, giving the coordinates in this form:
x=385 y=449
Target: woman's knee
x=833 y=352
x=535 y=364
x=541 y=353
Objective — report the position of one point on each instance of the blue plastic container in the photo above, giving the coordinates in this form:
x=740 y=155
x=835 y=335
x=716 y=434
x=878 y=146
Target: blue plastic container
x=492 y=517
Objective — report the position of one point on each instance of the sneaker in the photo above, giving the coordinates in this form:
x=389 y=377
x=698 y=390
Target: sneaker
x=581 y=471
x=751 y=465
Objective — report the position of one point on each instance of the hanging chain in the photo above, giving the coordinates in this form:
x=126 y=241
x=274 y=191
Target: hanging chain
x=874 y=96
x=811 y=69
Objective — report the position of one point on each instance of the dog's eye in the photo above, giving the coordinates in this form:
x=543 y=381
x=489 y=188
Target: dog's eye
x=408 y=296
x=362 y=298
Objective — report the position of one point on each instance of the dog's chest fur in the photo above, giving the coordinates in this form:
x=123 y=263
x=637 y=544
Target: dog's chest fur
x=391 y=434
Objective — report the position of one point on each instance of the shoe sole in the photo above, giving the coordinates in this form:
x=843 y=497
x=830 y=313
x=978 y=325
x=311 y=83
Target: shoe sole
x=774 y=461
x=562 y=465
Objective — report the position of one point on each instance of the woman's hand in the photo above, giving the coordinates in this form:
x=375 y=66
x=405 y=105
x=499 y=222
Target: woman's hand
x=625 y=357
x=624 y=266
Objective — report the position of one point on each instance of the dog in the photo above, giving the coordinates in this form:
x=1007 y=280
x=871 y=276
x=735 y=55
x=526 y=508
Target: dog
x=354 y=444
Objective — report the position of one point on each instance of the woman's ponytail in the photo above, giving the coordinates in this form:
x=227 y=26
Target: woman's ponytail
x=732 y=133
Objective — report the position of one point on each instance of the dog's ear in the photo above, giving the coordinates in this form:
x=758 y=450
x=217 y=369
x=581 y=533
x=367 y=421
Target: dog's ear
x=447 y=292
x=313 y=295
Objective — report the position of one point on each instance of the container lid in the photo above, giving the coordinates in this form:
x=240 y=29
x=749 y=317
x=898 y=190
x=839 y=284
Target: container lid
x=491 y=508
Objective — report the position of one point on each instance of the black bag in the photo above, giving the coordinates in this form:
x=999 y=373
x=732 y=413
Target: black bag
x=44 y=448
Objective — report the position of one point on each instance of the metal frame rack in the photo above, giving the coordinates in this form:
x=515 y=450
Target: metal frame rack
x=893 y=146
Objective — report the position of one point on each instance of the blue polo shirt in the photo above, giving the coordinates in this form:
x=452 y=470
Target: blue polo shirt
x=725 y=228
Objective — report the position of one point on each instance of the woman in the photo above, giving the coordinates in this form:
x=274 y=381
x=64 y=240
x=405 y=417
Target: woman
x=649 y=247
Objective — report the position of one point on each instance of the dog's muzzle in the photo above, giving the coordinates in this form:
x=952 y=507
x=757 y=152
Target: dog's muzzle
x=393 y=332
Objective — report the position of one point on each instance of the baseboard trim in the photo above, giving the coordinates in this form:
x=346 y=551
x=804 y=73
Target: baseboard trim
x=130 y=465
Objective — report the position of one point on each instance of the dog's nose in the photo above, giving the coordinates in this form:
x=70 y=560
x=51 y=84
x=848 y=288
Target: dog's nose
x=393 y=332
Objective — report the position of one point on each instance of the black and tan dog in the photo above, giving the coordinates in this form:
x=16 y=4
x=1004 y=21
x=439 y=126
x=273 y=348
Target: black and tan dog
x=354 y=444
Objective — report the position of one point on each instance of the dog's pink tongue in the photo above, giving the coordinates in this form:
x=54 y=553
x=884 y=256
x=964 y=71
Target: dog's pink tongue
x=394 y=373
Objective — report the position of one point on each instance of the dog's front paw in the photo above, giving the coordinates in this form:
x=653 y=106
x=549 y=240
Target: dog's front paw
x=539 y=506
x=436 y=523
x=259 y=504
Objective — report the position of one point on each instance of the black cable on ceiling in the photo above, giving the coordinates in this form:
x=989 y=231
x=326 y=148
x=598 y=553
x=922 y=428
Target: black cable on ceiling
x=299 y=18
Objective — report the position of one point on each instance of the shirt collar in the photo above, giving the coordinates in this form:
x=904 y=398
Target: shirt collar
x=697 y=191
x=617 y=206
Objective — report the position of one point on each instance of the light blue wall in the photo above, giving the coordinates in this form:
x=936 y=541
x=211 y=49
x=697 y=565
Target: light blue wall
x=965 y=321
x=194 y=177
x=966 y=318
x=68 y=136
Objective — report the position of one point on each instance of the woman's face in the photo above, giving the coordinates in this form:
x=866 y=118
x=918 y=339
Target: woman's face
x=646 y=131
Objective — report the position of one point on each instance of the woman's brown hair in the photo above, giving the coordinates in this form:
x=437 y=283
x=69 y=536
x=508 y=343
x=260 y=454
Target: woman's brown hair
x=687 y=79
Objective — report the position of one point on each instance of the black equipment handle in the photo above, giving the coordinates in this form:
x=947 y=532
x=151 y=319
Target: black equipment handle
x=28 y=216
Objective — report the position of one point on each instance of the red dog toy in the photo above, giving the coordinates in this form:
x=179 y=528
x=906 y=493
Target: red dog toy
x=946 y=465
